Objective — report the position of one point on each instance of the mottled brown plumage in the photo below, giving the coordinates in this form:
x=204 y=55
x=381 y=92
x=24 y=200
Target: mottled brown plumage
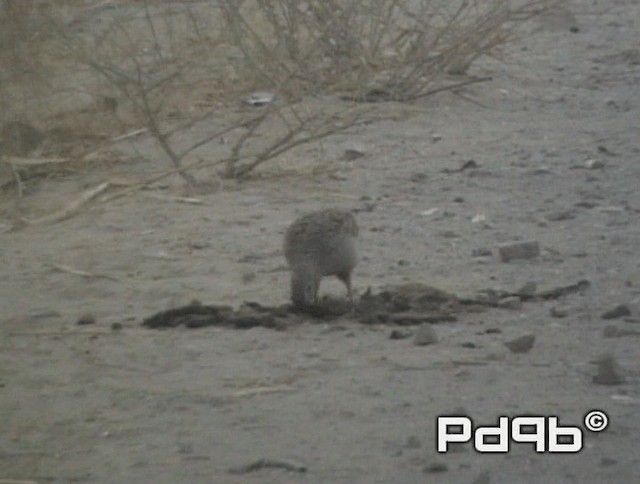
x=320 y=244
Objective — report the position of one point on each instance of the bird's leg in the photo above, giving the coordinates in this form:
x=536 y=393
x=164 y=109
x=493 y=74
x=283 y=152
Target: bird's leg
x=346 y=278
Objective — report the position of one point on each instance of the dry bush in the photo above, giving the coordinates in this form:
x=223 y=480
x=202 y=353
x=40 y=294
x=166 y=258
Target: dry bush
x=178 y=66
x=372 y=49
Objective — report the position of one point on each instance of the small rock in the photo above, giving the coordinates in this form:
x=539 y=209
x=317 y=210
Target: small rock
x=558 y=312
x=116 y=326
x=482 y=252
x=425 y=335
x=458 y=200
x=528 y=289
x=611 y=331
x=594 y=164
x=511 y=302
x=561 y=215
x=608 y=371
x=619 y=311
x=248 y=277
x=483 y=478
x=86 y=319
x=521 y=344
x=260 y=98
x=419 y=177
x=413 y=442
x=470 y=345
x=353 y=153
x=44 y=314
x=435 y=468
x=607 y=462
x=398 y=334
x=449 y=234
x=519 y=250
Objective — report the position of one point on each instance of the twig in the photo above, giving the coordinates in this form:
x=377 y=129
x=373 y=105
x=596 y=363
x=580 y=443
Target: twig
x=73 y=207
x=130 y=134
x=20 y=161
x=256 y=465
x=166 y=198
x=78 y=272
x=16 y=175
x=249 y=392
x=450 y=87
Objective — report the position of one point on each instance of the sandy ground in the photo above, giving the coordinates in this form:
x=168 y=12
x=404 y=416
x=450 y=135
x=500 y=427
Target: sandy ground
x=555 y=139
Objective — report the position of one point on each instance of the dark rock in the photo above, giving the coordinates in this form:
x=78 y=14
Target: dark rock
x=44 y=314
x=519 y=250
x=435 y=468
x=482 y=252
x=607 y=462
x=510 y=302
x=528 y=289
x=483 y=478
x=558 y=312
x=116 y=326
x=413 y=442
x=425 y=335
x=86 y=319
x=611 y=331
x=522 y=344
x=608 y=371
x=399 y=334
x=561 y=215
x=619 y=311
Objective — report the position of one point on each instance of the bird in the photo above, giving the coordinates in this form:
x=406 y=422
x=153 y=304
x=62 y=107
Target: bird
x=319 y=244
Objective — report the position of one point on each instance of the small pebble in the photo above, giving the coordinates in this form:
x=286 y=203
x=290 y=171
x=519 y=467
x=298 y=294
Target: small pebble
x=44 y=314
x=413 y=442
x=399 y=334
x=482 y=252
x=561 y=215
x=425 y=335
x=528 y=289
x=116 y=326
x=511 y=302
x=611 y=331
x=435 y=468
x=248 y=277
x=607 y=462
x=353 y=153
x=260 y=98
x=86 y=319
x=522 y=344
x=608 y=371
x=519 y=250
x=558 y=312
x=594 y=164
x=483 y=478
x=619 y=311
